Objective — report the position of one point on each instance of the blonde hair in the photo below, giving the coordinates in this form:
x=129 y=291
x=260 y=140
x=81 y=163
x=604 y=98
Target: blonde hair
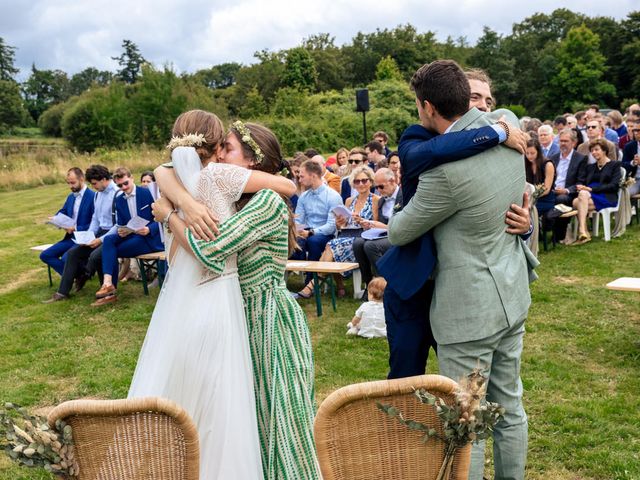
x=376 y=287
x=358 y=170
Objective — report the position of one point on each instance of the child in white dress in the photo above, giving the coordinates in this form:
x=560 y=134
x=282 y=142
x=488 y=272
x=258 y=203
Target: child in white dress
x=369 y=321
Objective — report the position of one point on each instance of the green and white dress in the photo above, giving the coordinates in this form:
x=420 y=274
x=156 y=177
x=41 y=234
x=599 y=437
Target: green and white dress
x=278 y=333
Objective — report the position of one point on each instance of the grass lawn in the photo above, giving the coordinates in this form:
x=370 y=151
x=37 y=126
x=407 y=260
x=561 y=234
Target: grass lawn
x=580 y=365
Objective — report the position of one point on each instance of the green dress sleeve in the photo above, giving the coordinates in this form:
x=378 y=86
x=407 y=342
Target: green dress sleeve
x=263 y=218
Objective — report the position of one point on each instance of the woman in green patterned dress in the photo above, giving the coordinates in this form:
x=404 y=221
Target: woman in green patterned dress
x=262 y=234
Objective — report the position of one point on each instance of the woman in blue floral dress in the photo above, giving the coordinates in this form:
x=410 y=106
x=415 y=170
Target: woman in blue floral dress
x=363 y=206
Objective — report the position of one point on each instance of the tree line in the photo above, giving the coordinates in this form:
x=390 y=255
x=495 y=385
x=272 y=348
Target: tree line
x=549 y=64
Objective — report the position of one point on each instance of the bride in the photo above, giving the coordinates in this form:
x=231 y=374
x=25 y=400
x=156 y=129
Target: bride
x=196 y=350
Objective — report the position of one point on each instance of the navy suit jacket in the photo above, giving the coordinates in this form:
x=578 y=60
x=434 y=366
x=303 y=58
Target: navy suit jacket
x=144 y=199
x=421 y=150
x=630 y=149
x=577 y=171
x=345 y=189
x=85 y=212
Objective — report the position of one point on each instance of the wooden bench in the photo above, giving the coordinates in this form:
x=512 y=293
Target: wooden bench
x=627 y=284
x=42 y=248
x=149 y=263
x=327 y=268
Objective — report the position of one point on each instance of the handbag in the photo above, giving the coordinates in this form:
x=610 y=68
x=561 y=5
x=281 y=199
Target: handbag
x=350 y=232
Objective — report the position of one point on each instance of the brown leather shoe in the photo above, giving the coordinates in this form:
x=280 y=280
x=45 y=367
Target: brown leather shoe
x=105 y=301
x=105 y=291
x=56 y=297
x=80 y=281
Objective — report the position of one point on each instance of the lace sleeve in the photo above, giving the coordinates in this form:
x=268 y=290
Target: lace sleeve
x=225 y=179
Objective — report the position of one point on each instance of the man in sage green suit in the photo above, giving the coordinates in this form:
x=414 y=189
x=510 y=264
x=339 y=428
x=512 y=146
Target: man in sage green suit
x=481 y=297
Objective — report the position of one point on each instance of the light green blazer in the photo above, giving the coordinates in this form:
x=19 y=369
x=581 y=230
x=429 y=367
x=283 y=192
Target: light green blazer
x=481 y=276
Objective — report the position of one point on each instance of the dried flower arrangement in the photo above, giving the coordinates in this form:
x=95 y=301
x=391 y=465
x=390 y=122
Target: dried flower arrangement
x=467 y=420
x=34 y=444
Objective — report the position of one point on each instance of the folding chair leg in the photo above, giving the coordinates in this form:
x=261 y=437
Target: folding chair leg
x=606 y=225
x=143 y=275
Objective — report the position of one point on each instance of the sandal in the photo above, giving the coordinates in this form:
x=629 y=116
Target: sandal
x=307 y=291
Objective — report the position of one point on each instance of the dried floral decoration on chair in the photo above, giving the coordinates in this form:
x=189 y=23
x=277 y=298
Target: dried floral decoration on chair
x=31 y=442
x=467 y=420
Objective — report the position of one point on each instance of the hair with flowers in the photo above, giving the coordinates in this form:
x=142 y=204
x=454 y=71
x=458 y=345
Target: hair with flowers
x=245 y=137
x=189 y=140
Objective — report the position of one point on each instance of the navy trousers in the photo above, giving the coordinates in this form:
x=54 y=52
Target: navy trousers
x=55 y=255
x=114 y=246
x=408 y=331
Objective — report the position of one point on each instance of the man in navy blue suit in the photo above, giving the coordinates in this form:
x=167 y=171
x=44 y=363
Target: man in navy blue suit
x=79 y=207
x=631 y=155
x=121 y=242
x=409 y=289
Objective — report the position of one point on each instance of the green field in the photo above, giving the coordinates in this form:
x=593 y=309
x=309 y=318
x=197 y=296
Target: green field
x=580 y=366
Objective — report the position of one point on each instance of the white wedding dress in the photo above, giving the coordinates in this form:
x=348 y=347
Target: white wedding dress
x=196 y=351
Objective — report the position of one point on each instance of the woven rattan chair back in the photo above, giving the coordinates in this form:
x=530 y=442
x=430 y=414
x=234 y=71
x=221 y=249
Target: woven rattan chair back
x=134 y=439
x=357 y=441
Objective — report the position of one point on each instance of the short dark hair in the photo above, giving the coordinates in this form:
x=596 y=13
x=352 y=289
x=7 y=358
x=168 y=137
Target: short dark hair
x=121 y=172
x=443 y=84
x=77 y=172
x=311 y=152
x=148 y=173
x=580 y=115
x=560 y=121
x=311 y=166
x=97 y=172
x=374 y=145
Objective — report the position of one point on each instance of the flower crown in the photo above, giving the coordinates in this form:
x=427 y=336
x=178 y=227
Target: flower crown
x=245 y=137
x=188 y=140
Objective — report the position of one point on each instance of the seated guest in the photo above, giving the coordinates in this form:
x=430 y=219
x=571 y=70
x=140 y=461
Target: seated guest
x=620 y=128
x=79 y=207
x=146 y=178
x=120 y=242
x=368 y=252
x=394 y=165
x=101 y=222
x=357 y=157
x=571 y=169
x=545 y=137
x=363 y=206
x=600 y=189
x=316 y=223
x=631 y=157
x=540 y=171
x=331 y=179
x=375 y=154
x=342 y=163
x=294 y=165
x=383 y=139
x=595 y=130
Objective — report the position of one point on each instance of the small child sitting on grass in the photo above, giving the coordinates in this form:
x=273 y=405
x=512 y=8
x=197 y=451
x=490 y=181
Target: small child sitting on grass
x=369 y=321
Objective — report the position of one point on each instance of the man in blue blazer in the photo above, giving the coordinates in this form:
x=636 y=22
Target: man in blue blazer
x=121 y=242
x=79 y=207
x=409 y=289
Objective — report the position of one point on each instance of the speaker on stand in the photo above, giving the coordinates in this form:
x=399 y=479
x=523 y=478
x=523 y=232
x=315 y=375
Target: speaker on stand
x=362 y=105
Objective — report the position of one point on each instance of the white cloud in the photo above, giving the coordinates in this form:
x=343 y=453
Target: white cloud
x=73 y=35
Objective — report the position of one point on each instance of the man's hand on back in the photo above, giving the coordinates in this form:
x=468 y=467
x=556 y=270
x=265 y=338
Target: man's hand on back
x=518 y=218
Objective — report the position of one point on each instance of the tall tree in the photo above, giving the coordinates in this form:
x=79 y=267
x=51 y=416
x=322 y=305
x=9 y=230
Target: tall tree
x=328 y=60
x=218 y=76
x=581 y=68
x=44 y=88
x=7 y=58
x=300 y=70
x=12 y=112
x=491 y=55
x=387 y=69
x=130 y=61
x=82 y=81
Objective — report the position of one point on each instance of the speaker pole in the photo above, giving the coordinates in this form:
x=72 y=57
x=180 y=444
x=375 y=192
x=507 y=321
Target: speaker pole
x=364 y=127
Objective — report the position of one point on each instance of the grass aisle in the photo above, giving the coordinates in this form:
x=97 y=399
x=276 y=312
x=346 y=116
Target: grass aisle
x=580 y=364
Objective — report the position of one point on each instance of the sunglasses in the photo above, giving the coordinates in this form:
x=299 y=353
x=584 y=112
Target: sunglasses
x=354 y=161
x=361 y=181
x=635 y=130
x=123 y=184
x=592 y=126
x=381 y=186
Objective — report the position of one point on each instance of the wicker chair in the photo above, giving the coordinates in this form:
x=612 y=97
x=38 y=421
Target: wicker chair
x=140 y=438
x=357 y=441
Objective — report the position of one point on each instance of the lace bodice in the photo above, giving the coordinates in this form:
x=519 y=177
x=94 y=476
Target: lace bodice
x=219 y=187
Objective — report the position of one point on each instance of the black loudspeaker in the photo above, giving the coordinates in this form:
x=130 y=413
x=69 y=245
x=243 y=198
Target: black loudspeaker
x=362 y=100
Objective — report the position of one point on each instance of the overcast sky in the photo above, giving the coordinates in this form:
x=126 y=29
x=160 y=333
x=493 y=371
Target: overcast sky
x=74 y=34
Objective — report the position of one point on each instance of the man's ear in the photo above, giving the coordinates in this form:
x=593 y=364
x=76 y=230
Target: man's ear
x=429 y=108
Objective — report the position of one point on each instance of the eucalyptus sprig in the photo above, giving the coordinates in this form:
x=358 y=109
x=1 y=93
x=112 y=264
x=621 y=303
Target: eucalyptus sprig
x=467 y=420
x=29 y=441
x=538 y=191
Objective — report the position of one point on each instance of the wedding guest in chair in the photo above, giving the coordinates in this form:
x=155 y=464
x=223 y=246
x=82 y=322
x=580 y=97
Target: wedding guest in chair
x=78 y=207
x=122 y=241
